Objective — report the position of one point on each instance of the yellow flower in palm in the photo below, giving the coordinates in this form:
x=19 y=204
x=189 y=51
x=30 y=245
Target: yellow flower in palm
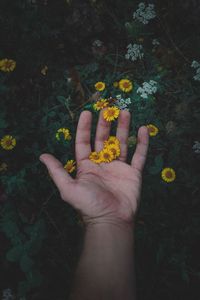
x=125 y=85
x=153 y=130
x=95 y=157
x=100 y=104
x=112 y=140
x=100 y=86
x=70 y=166
x=7 y=65
x=168 y=174
x=65 y=132
x=106 y=155
x=8 y=142
x=115 y=150
x=111 y=113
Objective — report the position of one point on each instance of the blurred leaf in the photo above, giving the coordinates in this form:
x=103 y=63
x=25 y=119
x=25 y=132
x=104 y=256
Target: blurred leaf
x=158 y=165
x=15 y=253
x=26 y=263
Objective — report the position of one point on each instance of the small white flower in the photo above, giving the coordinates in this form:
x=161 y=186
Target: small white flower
x=155 y=42
x=134 y=52
x=7 y=294
x=97 y=43
x=148 y=88
x=196 y=66
x=196 y=147
x=144 y=13
x=122 y=103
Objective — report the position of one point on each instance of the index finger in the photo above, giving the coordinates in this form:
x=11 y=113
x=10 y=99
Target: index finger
x=83 y=133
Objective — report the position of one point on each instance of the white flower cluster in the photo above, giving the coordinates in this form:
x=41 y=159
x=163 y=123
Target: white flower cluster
x=122 y=103
x=144 y=13
x=155 y=42
x=97 y=43
x=148 y=88
x=196 y=147
x=196 y=66
x=134 y=52
x=7 y=294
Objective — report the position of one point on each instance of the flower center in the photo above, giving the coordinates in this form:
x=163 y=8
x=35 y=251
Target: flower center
x=151 y=129
x=113 y=151
x=168 y=174
x=126 y=84
x=99 y=86
x=8 y=64
x=8 y=142
x=106 y=155
x=111 y=113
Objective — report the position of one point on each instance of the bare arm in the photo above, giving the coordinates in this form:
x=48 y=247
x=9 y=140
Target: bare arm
x=106 y=268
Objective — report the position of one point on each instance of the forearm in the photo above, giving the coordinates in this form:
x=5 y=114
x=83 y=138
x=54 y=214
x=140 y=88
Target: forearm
x=106 y=267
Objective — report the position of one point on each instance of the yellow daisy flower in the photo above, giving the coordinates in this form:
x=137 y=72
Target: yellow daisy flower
x=65 y=132
x=100 y=86
x=44 y=70
x=95 y=157
x=70 y=166
x=7 y=65
x=116 y=84
x=115 y=150
x=153 y=130
x=8 y=142
x=168 y=174
x=111 y=113
x=100 y=104
x=112 y=140
x=106 y=155
x=125 y=85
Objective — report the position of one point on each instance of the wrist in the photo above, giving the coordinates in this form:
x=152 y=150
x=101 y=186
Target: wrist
x=108 y=223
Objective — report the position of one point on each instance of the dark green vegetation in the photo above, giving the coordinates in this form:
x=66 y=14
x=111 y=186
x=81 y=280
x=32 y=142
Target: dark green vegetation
x=41 y=236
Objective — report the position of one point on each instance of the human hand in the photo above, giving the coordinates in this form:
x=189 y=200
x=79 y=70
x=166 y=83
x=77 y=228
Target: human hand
x=105 y=192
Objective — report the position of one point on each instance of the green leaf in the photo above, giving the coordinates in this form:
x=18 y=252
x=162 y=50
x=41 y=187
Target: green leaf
x=158 y=165
x=61 y=99
x=15 y=253
x=26 y=263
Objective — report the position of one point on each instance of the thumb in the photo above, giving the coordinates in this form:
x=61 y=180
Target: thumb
x=61 y=178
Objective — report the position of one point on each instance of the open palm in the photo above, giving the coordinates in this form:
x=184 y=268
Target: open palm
x=106 y=192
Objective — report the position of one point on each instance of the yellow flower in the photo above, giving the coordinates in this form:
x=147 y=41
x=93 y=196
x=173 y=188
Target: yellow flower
x=153 y=130
x=111 y=113
x=70 y=166
x=65 y=132
x=115 y=150
x=100 y=86
x=106 y=155
x=112 y=140
x=44 y=70
x=168 y=174
x=3 y=167
x=125 y=85
x=8 y=142
x=95 y=157
x=7 y=65
x=100 y=104
x=115 y=84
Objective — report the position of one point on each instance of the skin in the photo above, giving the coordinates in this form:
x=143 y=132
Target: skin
x=107 y=196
